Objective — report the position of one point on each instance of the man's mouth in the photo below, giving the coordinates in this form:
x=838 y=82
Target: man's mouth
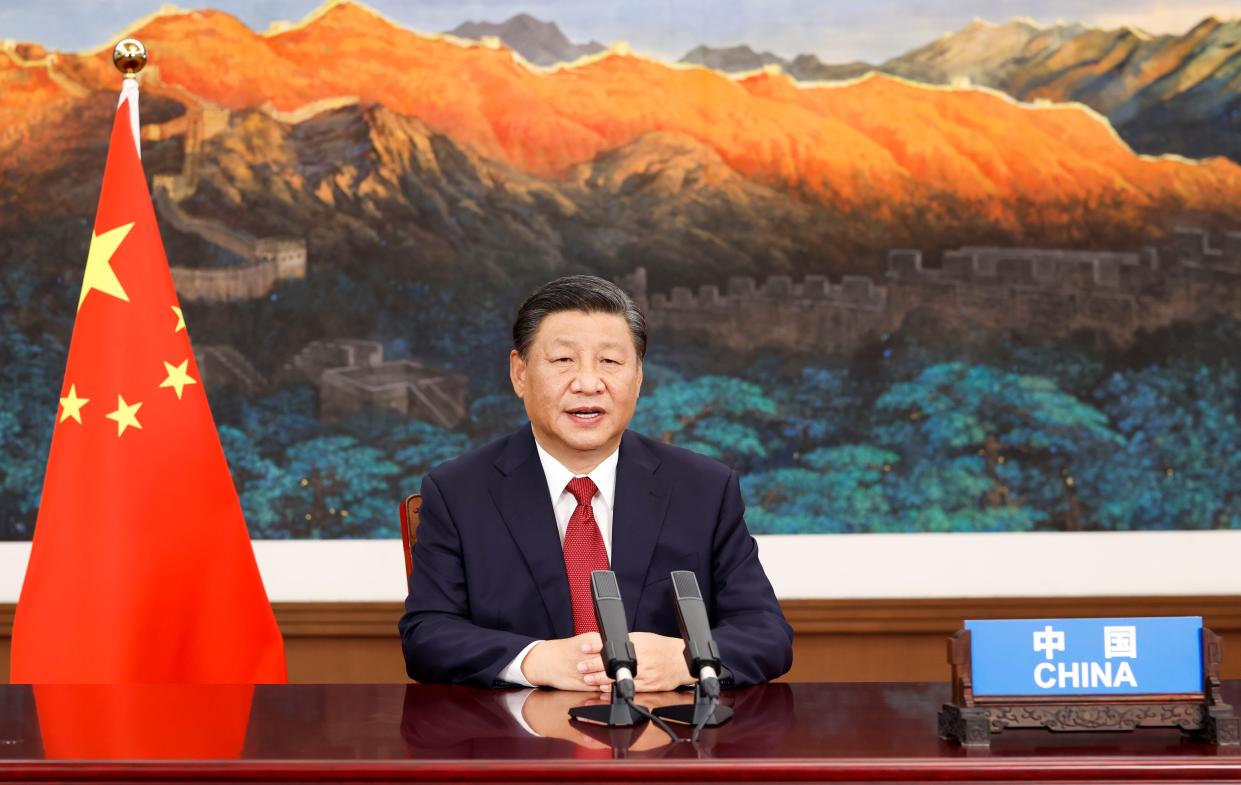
x=587 y=412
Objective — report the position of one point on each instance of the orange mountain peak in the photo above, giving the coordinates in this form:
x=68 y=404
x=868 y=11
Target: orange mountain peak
x=339 y=15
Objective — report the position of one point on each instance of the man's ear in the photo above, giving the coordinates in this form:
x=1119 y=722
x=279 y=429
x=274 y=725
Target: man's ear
x=517 y=373
x=639 y=376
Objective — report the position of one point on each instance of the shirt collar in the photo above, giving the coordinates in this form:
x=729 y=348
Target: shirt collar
x=558 y=476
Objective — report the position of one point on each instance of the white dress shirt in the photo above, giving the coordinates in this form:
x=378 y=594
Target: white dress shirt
x=563 y=505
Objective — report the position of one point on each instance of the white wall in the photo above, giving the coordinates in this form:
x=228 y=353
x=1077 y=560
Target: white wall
x=854 y=566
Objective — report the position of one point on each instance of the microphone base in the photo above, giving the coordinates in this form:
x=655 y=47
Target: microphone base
x=700 y=711
x=692 y=714
x=616 y=714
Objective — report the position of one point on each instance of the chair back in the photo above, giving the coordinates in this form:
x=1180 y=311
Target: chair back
x=410 y=509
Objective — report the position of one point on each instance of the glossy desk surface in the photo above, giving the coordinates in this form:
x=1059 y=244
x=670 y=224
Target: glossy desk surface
x=841 y=732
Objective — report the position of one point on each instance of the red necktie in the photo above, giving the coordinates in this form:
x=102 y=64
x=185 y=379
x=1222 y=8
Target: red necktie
x=583 y=551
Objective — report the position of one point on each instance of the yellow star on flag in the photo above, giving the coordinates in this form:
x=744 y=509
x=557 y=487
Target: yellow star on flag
x=99 y=273
x=72 y=405
x=177 y=377
x=180 y=319
x=126 y=415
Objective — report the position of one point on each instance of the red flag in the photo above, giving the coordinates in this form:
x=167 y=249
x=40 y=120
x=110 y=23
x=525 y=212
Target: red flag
x=141 y=570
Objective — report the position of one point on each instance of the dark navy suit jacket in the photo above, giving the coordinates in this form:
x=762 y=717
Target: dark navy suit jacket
x=489 y=575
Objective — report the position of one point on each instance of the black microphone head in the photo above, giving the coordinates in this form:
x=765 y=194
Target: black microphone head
x=685 y=585
x=604 y=586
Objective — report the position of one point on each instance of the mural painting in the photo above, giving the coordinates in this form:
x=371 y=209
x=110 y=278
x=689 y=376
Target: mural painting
x=990 y=284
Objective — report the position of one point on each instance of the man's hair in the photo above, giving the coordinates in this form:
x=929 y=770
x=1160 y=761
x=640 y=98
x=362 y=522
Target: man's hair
x=577 y=293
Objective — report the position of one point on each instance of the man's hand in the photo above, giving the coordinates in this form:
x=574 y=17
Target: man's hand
x=574 y=663
x=661 y=662
x=567 y=663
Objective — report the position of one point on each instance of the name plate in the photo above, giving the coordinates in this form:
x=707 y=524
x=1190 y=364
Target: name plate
x=1143 y=656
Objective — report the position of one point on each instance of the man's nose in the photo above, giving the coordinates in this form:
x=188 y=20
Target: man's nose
x=587 y=379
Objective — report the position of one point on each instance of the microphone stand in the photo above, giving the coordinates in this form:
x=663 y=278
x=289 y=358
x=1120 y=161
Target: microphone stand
x=702 y=657
x=619 y=713
x=705 y=711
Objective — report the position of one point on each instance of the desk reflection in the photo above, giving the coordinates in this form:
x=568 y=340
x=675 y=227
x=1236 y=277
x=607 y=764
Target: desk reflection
x=447 y=722
x=142 y=721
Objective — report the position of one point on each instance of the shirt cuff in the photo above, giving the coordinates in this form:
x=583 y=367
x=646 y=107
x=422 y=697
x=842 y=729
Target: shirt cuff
x=512 y=672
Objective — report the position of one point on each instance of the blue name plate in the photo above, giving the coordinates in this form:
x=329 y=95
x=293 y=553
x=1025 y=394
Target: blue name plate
x=1086 y=656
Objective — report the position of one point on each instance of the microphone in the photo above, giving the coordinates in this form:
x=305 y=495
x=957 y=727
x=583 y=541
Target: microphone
x=701 y=654
x=619 y=659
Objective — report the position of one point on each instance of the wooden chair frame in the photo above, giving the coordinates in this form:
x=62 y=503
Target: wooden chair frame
x=411 y=508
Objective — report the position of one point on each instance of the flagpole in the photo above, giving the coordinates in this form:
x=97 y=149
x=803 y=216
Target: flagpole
x=130 y=57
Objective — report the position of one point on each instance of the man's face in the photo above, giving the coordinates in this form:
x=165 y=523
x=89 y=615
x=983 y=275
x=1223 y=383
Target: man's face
x=579 y=382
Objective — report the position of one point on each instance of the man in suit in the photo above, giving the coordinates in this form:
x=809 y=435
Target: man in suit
x=509 y=532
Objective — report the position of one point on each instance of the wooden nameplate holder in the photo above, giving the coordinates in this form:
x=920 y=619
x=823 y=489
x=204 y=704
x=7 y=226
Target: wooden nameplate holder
x=971 y=719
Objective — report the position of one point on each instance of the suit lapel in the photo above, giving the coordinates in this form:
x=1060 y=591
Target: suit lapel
x=526 y=508
x=641 y=504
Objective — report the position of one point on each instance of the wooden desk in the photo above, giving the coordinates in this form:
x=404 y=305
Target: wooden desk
x=786 y=732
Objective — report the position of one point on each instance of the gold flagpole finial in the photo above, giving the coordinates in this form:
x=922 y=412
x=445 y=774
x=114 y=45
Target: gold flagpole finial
x=129 y=57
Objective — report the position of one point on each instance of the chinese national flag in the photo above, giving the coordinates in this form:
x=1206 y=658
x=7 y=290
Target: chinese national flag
x=141 y=569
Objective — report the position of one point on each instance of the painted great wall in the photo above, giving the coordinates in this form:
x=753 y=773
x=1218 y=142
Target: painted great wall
x=262 y=262
x=351 y=377
x=1032 y=293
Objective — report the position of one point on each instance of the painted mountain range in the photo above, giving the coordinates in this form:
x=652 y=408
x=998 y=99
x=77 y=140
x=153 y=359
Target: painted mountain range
x=1164 y=94
x=438 y=155
x=539 y=42
x=803 y=67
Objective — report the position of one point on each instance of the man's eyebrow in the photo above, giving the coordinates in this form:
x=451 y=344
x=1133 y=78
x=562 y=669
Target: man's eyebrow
x=573 y=343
